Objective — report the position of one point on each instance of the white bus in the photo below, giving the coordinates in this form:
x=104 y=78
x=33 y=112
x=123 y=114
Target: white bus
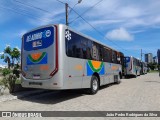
x=56 y=57
x=133 y=66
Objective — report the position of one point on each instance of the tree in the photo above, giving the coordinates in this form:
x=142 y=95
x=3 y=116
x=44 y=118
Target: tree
x=15 y=55
x=153 y=66
x=7 y=55
x=10 y=56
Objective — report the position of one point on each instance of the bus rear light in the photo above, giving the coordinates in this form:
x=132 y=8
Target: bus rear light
x=56 y=69
x=54 y=72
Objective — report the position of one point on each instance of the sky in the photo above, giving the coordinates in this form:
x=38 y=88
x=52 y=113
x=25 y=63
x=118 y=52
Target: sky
x=125 y=25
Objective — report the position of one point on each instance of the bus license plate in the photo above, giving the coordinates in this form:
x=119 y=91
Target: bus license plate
x=36 y=76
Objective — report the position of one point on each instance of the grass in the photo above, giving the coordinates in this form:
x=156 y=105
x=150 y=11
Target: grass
x=153 y=71
x=17 y=81
x=1 y=82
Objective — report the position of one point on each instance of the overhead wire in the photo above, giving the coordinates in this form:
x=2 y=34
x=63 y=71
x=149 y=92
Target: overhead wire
x=60 y=1
x=79 y=16
x=22 y=13
x=100 y=33
x=86 y=11
x=29 y=5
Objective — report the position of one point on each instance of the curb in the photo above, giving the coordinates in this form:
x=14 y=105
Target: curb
x=19 y=95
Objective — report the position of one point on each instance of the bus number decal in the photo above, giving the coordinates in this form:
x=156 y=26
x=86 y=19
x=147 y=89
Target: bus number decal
x=39 y=39
x=95 y=66
x=44 y=67
x=115 y=68
x=78 y=67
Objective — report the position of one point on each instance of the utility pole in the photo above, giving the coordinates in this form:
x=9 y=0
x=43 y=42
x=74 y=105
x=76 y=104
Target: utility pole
x=141 y=54
x=66 y=6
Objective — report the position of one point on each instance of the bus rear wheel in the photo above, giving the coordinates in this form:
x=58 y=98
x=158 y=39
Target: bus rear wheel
x=135 y=75
x=94 y=85
x=118 y=79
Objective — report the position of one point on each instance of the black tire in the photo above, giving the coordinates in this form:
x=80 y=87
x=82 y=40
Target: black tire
x=120 y=75
x=94 y=85
x=135 y=75
x=119 y=79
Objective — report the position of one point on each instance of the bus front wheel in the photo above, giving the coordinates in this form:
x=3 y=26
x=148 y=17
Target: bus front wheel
x=94 y=85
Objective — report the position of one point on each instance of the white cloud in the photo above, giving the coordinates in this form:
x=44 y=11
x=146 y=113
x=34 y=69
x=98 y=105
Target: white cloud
x=18 y=48
x=1 y=53
x=21 y=33
x=137 y=31
x=3 y=66
x=7 y=45
x=120 y=34
x=130 y=12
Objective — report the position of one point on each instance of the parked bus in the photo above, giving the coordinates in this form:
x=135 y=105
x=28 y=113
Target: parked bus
x=143 y=68
x=122 y=62
x=133 y=66
x=56 y=57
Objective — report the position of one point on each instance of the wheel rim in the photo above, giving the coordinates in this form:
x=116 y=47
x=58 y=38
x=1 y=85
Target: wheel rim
x=95 y=84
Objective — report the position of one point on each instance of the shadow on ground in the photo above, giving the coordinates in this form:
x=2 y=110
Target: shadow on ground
x=130 y=77
x=153 y=81
x=54 y=97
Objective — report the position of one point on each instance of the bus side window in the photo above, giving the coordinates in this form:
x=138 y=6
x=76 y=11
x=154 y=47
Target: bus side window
x=118 y=58
x=76 y=47
x=114 y=57
x=100 y=52
x=89 y=49
x=95 y=51
x=84 y=47
x=106 y=54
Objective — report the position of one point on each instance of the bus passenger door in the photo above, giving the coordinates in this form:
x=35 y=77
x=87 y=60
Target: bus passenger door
x=108 y=74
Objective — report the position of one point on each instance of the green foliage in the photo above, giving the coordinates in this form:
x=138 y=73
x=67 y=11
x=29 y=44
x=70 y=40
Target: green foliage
x=12 y=58
x=6 y=55
x=9 y=56
x=1 y=83
x=9 y=82
x=15 y=54
x=10 y=78
x=159 y=67
x=153 y=71
x=0 y=70
x=8 y=50
x=6 y=71
x=153 y=66
x=16 y=72
x=18 y=81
